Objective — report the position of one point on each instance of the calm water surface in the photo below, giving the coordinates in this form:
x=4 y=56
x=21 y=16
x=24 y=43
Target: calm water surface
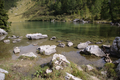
x=63 y=31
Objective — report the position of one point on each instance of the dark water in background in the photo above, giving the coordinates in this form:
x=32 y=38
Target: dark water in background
x=63 y=31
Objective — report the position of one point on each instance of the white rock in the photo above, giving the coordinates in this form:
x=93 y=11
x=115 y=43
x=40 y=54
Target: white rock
x=58 y=67
x=30 y=54
x=70 y=44
x=36 y=36
x=47 y=49
x=82 y=45
x=94 y=49
x=61 y=57
x=89 y=67
x=3 y=32
x=3 y=71
x=7 y=41
x=2 y=76
x=48 y=71
x=2 y=37
x=16 y=50
x=70 y=76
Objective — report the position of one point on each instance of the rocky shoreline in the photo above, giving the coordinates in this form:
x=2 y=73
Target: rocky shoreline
x=86 y=47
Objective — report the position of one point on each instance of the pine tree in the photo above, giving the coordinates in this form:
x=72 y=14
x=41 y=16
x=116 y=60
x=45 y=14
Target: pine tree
x=3 y=17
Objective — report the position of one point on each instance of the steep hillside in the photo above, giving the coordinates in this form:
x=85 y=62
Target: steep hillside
x=16 y=13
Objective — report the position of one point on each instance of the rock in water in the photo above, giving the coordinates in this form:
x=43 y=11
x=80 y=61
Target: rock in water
x=47 y=49
x=70 y=44
x=16 y=50
x=7 y=41
x=61 y=45
x=36 y=36
x=30 y=54
x=3 y=32
x=94 y=49
x=53 y=38
x=82 y=45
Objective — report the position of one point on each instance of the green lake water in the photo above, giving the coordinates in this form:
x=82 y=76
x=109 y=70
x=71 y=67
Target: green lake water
x=74 y=32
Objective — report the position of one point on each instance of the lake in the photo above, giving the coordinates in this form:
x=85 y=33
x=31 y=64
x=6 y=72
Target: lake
x=75 y=32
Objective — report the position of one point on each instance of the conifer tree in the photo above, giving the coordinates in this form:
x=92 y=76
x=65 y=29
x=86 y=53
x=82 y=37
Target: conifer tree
x=3 y=16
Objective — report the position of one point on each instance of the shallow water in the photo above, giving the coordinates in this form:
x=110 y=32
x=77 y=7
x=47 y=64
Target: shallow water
x=63 y=31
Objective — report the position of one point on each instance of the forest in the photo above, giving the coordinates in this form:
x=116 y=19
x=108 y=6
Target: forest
x=83 y=9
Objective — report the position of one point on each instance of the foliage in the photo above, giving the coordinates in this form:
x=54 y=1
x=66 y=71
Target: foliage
x=10 y=3
x=110 y=69
x=3 y=17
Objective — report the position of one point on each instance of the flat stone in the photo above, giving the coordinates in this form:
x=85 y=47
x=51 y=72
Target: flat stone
x=30 y=54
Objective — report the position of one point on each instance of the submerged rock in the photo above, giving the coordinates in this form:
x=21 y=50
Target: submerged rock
x=53 y=38
x=7 y=41
x=47 y=49
x=16 y=40
x=94 y=49
x=3 y=32
x=36 y=36
x=30 y=54
x=61 y=45
x=16 y=50
x=70 y=44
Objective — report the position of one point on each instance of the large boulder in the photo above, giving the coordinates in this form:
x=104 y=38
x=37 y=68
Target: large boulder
x=94 y=49
x=115 y=48
x=59 y=61
x=3 y=32
x=36 y=36
x=47 y=49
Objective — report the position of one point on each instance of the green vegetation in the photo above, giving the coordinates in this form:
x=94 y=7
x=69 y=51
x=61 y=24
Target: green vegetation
x=110 y=67
x=10 y=3
x=86 y=9
x=3 y=17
